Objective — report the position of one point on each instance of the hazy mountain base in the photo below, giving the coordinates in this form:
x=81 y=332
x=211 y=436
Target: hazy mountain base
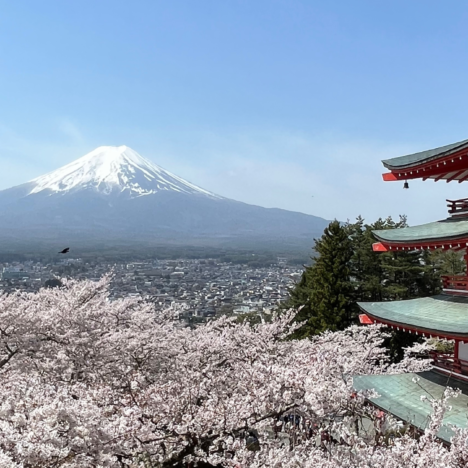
x=89 y=219
x=255 y=253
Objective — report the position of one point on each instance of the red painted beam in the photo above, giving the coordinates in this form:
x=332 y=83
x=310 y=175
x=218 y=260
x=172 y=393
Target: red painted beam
x=419 y=245
x=365 y=320
x=416 y=331
x=389 y=177
x=379 y=247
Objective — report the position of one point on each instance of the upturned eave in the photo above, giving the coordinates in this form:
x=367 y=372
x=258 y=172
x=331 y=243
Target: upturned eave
x=450 y=233
x=449 y=163
x=443 y=316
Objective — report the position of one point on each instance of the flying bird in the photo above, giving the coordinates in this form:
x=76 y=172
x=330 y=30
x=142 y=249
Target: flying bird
x=64 y=251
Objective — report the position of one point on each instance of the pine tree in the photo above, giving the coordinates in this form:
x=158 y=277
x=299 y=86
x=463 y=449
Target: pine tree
x=386 y=276
x=393 y=275
x=346 y=270
x=365 y=266
x=447 y=262
x=324 y=291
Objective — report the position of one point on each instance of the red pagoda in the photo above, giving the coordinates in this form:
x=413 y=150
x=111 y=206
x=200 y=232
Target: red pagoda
x=441 y=316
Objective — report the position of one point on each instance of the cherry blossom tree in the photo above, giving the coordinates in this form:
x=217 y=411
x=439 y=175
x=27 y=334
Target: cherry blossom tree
x=92 y=382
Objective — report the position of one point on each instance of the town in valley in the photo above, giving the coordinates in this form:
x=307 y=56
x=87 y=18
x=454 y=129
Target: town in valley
x=205 y=287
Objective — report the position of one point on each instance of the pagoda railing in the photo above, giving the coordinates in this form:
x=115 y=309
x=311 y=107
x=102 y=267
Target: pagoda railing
x=449 y=362
x=458 y=207
x=458 y=283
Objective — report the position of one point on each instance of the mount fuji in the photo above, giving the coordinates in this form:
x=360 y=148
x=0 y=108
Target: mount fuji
x=112 y=195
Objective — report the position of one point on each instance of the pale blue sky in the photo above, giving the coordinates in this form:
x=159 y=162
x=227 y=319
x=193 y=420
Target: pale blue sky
x=284 y=103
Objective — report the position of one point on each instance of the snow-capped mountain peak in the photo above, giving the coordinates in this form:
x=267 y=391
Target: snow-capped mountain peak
x=110 y=169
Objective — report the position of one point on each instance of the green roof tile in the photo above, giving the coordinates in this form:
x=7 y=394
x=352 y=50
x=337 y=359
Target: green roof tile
x=424 y=156
x=442 y=313
x=400 y=396
x=447 y=229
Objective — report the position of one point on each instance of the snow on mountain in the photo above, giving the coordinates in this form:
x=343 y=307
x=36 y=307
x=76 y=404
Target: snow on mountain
x=111 y=169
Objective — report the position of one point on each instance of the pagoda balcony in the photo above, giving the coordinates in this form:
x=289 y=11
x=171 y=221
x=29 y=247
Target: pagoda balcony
x=455 y=284
x=458 y=207
x=449 y=362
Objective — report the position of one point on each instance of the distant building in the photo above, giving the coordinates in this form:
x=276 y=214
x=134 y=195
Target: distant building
x=14 y=273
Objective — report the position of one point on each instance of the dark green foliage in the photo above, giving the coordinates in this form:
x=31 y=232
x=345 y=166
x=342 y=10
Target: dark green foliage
x=447 y=262
x=53 y=283
x=325 y=290
x=347 y=271
x=382 y=276
x=396 y=342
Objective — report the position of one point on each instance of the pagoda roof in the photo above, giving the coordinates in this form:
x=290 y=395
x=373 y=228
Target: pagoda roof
x=400 y=396
x=443 y=315
x=417 y=159
x=437 y=233
x=447 y=163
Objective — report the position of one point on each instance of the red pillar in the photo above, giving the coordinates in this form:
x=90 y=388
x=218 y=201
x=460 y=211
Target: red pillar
x=457 y=367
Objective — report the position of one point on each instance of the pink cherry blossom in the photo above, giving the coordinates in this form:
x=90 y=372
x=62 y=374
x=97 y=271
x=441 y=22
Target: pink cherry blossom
x=89 y=382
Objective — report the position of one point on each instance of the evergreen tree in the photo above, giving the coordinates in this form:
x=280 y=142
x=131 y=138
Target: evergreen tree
x=365 y=266
x=346 y=270
x=324 y=291
x=387 y=276
x=430 y=283
x=447 y=262
x=393 y=275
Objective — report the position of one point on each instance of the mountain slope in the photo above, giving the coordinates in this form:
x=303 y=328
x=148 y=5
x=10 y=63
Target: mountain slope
x=114 y=195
